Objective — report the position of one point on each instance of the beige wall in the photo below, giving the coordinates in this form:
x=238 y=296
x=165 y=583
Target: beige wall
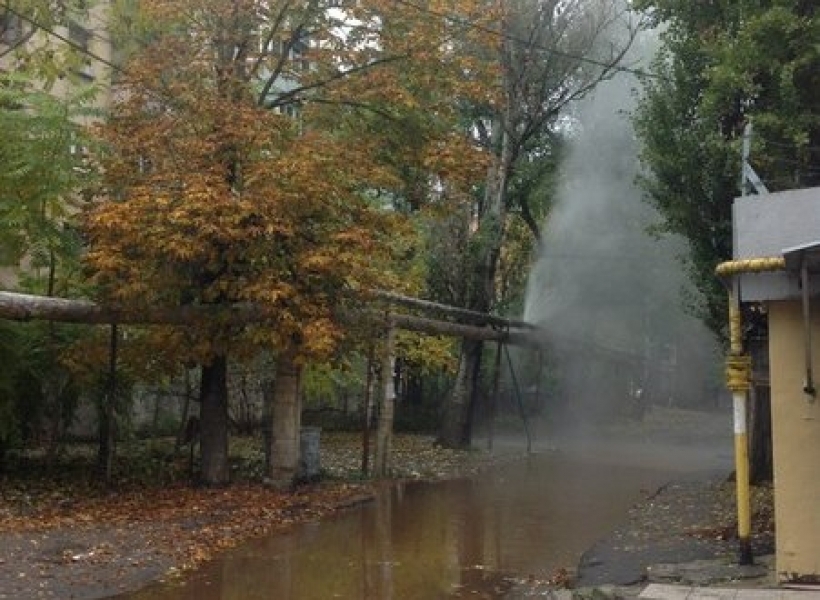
x=796 y=433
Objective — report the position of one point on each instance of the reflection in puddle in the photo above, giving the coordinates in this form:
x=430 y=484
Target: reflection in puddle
x=456 y=539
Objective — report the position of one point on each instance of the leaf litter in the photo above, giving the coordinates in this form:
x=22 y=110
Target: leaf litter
x=62 y=535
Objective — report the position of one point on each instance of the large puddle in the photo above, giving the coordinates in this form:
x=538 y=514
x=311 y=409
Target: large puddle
x=458 y=539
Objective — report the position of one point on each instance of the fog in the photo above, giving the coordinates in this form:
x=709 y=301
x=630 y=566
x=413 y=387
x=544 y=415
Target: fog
x=611 y=296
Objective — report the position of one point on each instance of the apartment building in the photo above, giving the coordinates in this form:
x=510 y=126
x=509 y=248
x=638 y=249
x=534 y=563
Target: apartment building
x=71 y=51
x=70 y=47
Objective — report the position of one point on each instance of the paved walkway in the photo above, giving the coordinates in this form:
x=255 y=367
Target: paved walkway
x=662 y=591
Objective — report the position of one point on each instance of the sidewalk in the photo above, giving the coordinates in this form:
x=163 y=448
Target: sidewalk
x=707 y=579
x=661 y=591
x=684 y=534
x=664 y=591
x=680 y=544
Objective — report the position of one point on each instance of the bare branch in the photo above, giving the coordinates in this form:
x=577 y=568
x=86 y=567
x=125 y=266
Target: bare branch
x=293 y=95
x=353 y=104
x=277 y=70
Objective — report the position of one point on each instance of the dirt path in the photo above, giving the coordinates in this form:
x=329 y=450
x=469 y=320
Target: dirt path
x=81 y=562
x=102 y=547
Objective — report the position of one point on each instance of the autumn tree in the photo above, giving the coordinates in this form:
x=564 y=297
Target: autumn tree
x=236 y=172
x=550 y=54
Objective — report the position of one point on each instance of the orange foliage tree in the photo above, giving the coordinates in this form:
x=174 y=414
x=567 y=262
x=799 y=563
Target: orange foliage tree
x=244 y=164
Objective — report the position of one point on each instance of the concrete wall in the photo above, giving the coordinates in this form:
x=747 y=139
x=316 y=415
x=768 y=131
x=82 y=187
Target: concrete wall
x=796 y=437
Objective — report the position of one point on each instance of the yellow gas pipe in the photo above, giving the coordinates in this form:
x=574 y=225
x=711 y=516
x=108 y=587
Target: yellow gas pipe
x=738 y=380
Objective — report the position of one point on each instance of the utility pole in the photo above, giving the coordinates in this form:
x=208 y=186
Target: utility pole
x=748 y=177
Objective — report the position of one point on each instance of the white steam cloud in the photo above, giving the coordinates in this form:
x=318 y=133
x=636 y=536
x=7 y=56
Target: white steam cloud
x=608 y=293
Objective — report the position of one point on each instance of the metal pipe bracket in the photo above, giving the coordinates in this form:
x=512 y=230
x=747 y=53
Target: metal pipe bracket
x=738 y=372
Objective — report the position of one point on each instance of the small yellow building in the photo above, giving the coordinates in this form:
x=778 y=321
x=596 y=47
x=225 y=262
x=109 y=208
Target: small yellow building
x=786 y=226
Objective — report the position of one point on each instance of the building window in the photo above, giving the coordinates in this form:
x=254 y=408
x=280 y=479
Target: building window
x=81 y=38
x=11 y=28
x=292 y=51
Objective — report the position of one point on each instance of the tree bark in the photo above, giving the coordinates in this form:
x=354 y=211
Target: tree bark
x=213 y=417
x=367 y=413
x=108 y=413
x=286 y=421
x=384 y=434
x=456 y=430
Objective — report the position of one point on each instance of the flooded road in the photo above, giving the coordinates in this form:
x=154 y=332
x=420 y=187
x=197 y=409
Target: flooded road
x=451 y=539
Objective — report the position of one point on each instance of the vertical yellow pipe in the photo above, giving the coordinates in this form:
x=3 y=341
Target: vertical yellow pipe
x=744 y=516
x=738 y=375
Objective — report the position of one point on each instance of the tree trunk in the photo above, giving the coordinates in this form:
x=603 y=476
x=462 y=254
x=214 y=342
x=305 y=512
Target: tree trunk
x=286 y=420
x=105 y=446
x=367 y=413
x=492 y=409
x=384 y=434
x=108 y=414
x=213 y=418
x=456 y=430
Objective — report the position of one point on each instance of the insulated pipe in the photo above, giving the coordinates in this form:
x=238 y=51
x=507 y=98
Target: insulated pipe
x=738 y=377
x=750 y=265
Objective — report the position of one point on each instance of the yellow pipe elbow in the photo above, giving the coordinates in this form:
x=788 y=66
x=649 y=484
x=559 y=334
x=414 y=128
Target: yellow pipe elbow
x=750 y=265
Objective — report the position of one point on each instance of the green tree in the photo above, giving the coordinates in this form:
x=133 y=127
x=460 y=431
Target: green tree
x=33 y=38
x=45 y=171
x=43 y=150
x=719 y=68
